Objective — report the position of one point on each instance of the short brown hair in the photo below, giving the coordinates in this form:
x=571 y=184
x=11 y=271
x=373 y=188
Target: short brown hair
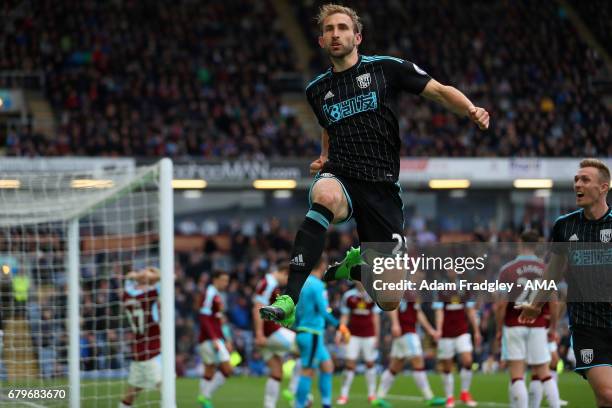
x=327 y=10
x=530 y=236
x=604 y=171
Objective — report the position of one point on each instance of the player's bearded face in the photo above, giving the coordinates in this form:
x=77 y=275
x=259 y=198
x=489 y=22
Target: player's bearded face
x=339 y=38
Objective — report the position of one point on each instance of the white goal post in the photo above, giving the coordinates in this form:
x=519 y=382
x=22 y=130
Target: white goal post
x=70 y=231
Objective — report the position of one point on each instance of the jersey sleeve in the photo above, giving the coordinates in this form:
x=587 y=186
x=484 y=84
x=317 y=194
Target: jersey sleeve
x=130 y=287
x=344 y=309
x=407 y=75
x=437 y=305
x=557 y=238
x=207 y=303
x=263 y=292
x=315 y=108
x=503 y=275
x=321 y=300
x=376 y=310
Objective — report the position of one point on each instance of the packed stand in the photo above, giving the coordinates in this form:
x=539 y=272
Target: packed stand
x=596 y=14
x=169 y=78
x=523 y=61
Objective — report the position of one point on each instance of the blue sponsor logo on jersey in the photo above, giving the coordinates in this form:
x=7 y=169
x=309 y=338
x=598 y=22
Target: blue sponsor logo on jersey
x=350 y=107
x=590 y=257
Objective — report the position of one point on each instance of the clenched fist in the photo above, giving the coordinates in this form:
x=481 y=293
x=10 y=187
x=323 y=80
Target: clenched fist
x=479 y=116
x=317 y=165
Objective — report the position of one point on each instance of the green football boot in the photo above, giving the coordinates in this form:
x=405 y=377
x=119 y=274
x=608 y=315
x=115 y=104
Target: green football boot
x=436 y=402
x=342 y=269
x=381 y=403
x=204 y=402
x=281 y=311
x=288 y=396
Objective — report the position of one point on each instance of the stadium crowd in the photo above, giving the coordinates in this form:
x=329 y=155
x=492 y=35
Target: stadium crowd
x=169 y=78
x=178 y=79
x=523 y=61
x=598 y=26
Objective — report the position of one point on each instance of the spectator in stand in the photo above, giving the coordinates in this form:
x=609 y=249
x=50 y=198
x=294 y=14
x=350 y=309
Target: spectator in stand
x=525 y=61
x=174 y=79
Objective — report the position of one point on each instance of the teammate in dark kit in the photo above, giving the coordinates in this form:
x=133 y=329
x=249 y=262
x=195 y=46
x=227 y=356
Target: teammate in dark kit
x=591 y=321
x=357 y=171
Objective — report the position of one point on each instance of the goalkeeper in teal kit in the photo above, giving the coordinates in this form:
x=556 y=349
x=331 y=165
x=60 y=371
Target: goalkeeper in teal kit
x=311 y=317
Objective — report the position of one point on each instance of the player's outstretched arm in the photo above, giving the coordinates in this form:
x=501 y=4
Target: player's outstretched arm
x=455 y=101
x=554 y=271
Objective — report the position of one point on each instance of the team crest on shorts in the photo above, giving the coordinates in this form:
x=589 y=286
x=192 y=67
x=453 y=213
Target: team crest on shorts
x=364 y=80
x=605 y=235
x=586 y=355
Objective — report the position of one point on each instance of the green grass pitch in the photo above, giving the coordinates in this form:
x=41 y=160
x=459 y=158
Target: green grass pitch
x=247 y=392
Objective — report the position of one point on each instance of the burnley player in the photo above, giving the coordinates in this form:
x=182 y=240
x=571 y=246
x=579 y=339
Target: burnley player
x=362 y=316
x=141 y=304
x=590 y=321
x=525 y=344
x=275 y=341
x=357 y=171
x=213 y=349
x=452 y=317
x=407 y=346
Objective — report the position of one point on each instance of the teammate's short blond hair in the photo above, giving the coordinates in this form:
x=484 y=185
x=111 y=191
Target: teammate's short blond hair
x=327 y=10
x=604 y=171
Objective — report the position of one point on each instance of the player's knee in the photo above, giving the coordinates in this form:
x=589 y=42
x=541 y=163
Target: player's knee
x=307 y=372
x=226 y=370
x=418 y=364
x=327 y=366
x=329 y=199
x=604 y=396
x=388 y=306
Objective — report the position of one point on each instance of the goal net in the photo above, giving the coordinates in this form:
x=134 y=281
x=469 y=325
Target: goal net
x=70 y=232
